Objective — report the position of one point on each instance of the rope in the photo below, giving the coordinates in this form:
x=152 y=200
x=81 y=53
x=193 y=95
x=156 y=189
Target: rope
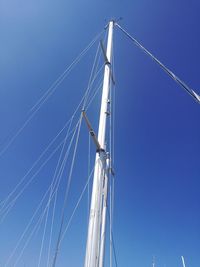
x=169 y=72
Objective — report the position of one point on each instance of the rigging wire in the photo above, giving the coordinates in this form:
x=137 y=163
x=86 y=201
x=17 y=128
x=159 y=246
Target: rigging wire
x=26 y=229
x=51 y=230
x=52 y=88
x=57 y=179
x=91 y=79
x=94 y=74
x=50 y=195
x=94 y=94
x=192 y=93
x=113 y=243
x=55 y=184
x=4 y=202
x=66 y=194
x=59 y=176
x=46 y=210
x=88 y=186
x=11 y=204
x=52 y=221
x=77 y=204
x=48 y=93
x=44 y=213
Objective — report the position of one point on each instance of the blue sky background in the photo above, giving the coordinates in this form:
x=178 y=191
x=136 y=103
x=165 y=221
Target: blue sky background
x=157 y=123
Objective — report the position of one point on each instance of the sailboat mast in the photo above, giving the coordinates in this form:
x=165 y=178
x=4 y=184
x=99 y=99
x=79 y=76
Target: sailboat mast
x=95 y=227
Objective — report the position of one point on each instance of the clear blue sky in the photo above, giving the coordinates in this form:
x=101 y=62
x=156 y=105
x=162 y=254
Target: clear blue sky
x=157 y=136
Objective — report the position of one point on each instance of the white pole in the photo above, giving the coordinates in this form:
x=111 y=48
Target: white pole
x=94 y=226
x=111 y=219
x=103 y=227
x=183 y=261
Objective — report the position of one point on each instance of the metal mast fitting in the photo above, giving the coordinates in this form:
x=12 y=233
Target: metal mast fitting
x=94 y=256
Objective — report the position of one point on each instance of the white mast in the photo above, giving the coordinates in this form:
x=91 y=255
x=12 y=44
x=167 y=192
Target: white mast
x=96 y=228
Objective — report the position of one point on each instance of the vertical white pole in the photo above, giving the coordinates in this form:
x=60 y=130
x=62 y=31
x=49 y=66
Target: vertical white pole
x=103 y=227
x=111 y=218
x=94 y=226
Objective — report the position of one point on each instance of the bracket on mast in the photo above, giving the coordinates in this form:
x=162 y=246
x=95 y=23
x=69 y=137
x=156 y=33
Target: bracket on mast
x=104 y=53
x=92 y=133
x=106 y=60
x=96 y=142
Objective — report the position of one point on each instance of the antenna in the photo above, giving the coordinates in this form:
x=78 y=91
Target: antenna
x=190 y=91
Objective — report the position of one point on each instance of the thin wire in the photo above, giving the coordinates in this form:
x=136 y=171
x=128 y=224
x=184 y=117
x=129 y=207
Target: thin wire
x=37 y=226
x=50 y=195
x=26 y=229
x=110 y=163
x=52 y=221
x=113 y=243
x=66 y=195
x=83 y=99
x=90 y=86
x=67 y=70
x=77 y=204
x=88 y=187
x=113 y=110
x=34 y=164
x=60 y=175
x=169 y=72
x=94 y=94
x=10 y=205
x=51 y=230
x=90 y=83
x=113 y=137
x=45 y=224
x=55 y=184
x=91 y=80
x=48 y=93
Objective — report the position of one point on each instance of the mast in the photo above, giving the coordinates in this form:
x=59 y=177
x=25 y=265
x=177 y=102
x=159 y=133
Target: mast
x=97 y=218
